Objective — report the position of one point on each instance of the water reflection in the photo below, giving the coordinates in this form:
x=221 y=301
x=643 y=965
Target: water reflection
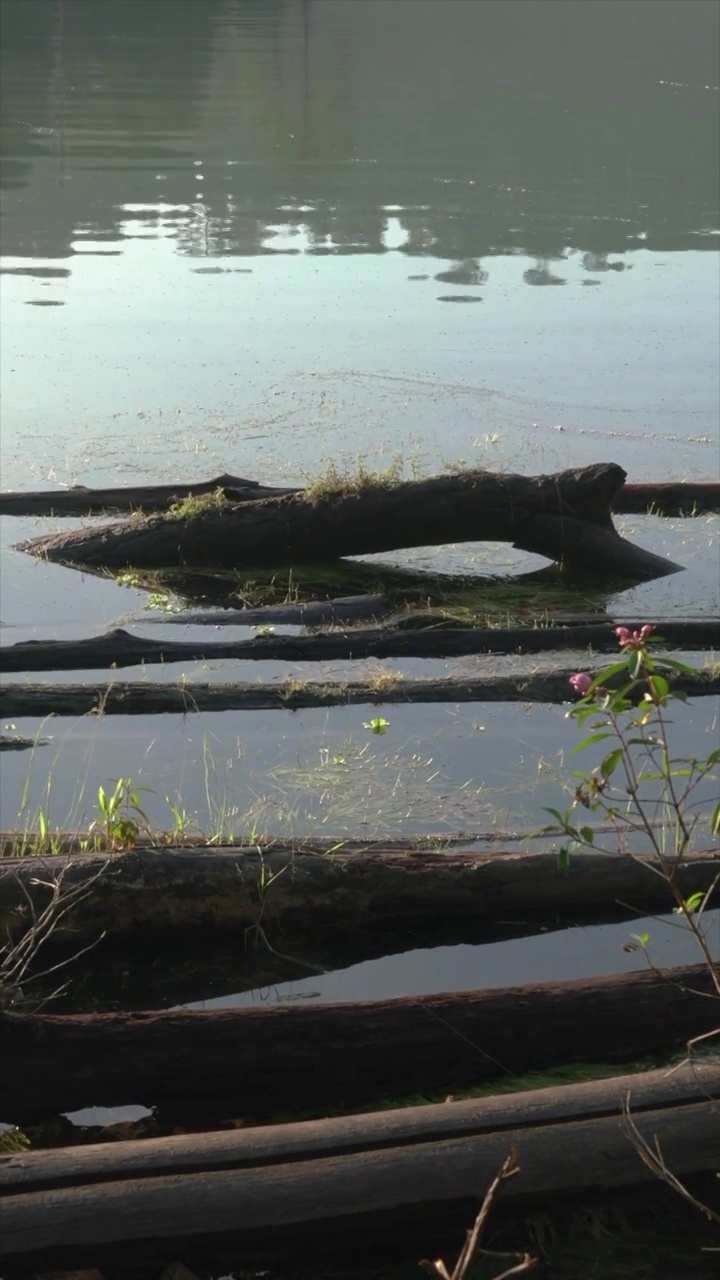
x=487 y=128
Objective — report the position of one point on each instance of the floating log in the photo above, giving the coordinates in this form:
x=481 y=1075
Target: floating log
x=130 y=699
x=159 y=891
x=120 y=648
x=15 y=742
x=258 y=1062
x=81 y=501
x=669 y=498
x=325 y=524
x=259 y=1186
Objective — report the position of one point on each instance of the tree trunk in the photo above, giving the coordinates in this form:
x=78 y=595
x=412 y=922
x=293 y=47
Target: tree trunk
x=120 y=648
x=259 y=1186
x=143 y=698
x=257 y=1062
x=161 y=891
x=670 y=498
x=322 y=525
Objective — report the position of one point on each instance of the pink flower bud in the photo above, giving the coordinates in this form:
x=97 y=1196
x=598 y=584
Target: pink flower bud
x=581 y=682
x=633 y=639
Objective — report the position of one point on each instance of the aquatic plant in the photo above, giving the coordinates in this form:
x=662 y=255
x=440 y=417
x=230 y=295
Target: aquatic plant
x=644 y=792
x=119 y=814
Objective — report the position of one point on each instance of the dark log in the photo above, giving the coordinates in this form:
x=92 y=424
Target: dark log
x=329 y=1173
x=158 y=891
x=258 y=1062
x=120 y=648
x=670 y=498
x=576 y=543
x=81 y=501
x=261 y=1210
x=14 y=742
x=115 y=698
x=322 y=525
x=688 y=1084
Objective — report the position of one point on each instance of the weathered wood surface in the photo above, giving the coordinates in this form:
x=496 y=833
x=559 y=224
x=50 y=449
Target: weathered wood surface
x=671 y=498
x=163 y=890
x=297 y=528
x=28 y=1171
x=120 y=648
x=81 y=501
x=259 y=1211
x=344 y=1172
x=258 y=1062
x=130 y=699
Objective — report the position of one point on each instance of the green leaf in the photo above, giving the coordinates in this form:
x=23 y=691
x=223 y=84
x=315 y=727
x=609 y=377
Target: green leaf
x=588 y=835
x=589 y=742
x=659 y=686
x=678 y=666
x=715 y=821
x=607 y=673
x=642 y=939
x=563 y=859
x=556 y=814
x=611 y=762
x=690 y=905
x=713 y=758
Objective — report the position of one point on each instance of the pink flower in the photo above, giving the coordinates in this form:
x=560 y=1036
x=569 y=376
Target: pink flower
x=581 y=682
x=633 y=639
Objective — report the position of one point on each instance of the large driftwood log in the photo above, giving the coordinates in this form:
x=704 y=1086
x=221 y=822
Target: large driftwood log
x=669 y=498
x=329 y=1174
x=156 y=891
x=120 y=648
x=326 y=524
x=258 y=1062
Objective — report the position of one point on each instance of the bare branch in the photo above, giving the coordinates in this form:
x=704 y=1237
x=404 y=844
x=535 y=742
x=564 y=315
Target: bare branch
x=438 y=1268
x=652 y=1157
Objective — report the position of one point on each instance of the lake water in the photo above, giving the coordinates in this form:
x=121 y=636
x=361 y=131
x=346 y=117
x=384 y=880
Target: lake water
x=232 y=234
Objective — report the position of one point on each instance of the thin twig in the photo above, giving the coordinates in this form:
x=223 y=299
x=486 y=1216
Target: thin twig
x=652 y=1157
x=438 y=1269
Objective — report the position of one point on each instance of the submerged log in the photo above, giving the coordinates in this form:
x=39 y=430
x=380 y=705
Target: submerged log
x=325 y=524
x=81 y=501
x=120 y=648
x=258 y=1062
x=116 y=698
x=159 y=891
x=259 y=1186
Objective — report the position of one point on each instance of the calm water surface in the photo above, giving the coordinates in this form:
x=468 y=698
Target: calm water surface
x=254 y=235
